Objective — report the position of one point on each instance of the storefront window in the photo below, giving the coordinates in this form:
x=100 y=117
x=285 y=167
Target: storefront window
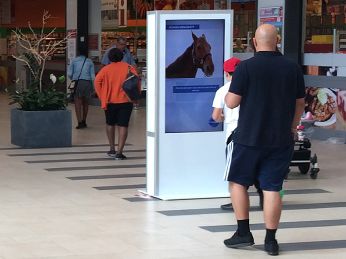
x=133 y=26
x=14 y=14
x=245 y=23
x=325 y=19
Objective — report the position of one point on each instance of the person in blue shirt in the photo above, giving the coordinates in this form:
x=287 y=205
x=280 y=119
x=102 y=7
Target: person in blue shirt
x=82 y=70
x=120 y=44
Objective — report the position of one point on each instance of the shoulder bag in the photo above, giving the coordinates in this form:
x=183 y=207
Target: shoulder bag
x=74 y=83
x=130 y=86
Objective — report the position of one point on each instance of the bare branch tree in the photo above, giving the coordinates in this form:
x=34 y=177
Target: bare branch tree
x=35 y=46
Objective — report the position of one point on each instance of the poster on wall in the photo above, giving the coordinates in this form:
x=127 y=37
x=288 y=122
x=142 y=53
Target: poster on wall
x=314 y=7
x=326 y=105
x=274 y=16
x=341 y=108
x=109 y=14
x=166 y=4
x=137 y=9
x=71 y=45
x=194 y=58
x=195 y=5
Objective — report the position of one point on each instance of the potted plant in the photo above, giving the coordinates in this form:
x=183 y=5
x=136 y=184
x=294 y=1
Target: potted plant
x=41 y=120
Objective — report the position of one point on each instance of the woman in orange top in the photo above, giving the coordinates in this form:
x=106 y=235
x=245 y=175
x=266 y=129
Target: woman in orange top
x=117 y=106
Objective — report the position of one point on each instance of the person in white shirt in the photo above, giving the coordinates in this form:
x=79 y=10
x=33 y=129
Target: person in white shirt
x=221 y=113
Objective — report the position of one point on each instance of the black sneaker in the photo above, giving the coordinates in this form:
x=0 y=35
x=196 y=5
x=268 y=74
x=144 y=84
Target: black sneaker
x=272 y=247
x=227 y=206
x=237 y=241
x=120 y=157
x=84 y=124
x=111 y=153
x=80 y=126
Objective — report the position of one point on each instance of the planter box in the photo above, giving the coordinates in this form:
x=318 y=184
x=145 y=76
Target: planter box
x=35 y=129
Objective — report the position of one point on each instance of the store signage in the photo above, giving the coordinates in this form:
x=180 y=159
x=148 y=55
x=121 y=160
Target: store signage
x=109 y=14
x=273 y=15
x=122 y=13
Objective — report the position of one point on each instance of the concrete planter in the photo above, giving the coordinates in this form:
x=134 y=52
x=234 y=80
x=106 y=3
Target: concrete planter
x=35 y=129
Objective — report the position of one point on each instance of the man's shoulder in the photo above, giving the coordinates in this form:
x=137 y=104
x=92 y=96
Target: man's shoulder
x=110 y=47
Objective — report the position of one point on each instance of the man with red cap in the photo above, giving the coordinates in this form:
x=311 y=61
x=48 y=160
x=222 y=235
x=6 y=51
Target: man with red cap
x=221 y=113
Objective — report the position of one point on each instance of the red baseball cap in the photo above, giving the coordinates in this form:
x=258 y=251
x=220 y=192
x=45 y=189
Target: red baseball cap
x=230 y=64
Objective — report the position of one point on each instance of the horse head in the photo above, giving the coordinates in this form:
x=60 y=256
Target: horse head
x=201 y=54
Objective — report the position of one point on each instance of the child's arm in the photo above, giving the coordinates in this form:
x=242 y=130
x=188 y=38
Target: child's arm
x=217 y=115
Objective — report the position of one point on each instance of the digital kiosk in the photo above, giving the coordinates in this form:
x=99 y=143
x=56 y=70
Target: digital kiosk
x=185 y=147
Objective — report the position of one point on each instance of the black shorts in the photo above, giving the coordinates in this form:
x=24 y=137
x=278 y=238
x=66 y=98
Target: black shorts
x=118 y=114
x=268 y=166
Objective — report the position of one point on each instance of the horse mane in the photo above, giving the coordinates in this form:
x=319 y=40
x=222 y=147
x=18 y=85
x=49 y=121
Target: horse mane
x=178 y=68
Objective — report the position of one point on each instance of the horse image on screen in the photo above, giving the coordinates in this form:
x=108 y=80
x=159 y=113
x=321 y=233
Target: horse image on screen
x=196 y=56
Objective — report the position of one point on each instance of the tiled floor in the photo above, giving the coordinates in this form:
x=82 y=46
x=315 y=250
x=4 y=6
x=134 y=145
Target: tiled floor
x=73 y=203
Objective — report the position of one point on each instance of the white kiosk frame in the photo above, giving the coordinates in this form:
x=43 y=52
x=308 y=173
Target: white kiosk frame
x=180 y=165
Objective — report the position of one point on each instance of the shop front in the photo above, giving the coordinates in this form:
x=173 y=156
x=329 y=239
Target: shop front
x=313 y=33
x=324 y=64
x=26 y=16
x=106 y=20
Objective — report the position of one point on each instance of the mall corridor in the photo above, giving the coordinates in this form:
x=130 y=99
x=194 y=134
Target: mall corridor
x=76 y=203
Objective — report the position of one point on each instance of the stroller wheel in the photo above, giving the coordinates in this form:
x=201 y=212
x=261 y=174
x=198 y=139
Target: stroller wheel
x=304 y=168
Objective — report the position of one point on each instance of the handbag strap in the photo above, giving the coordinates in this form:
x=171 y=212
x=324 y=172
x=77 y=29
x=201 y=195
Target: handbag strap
x=81 y=70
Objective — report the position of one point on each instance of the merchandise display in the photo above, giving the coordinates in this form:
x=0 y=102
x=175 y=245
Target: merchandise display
x=135 y=41
x=341 y=102
x=322 y=17
x=54 y=37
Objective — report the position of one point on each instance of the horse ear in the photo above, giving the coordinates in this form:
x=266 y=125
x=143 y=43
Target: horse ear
x=203 y=36
x=194 y=36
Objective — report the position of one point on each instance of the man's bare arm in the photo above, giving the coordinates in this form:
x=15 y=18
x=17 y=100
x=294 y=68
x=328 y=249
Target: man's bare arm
x=232 y=100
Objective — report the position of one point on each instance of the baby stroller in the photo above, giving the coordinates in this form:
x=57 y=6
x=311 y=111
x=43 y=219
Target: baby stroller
x=302 y=156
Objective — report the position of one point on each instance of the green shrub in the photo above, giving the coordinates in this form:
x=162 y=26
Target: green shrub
x=32 y=99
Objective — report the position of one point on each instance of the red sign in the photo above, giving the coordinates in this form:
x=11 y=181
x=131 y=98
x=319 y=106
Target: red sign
x=93 y=42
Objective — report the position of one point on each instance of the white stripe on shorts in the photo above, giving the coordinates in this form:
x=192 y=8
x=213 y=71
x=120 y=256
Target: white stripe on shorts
x=229 y=152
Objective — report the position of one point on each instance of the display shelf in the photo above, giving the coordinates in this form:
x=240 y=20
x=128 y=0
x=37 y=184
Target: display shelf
x=55 y=37
x=134 y=41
